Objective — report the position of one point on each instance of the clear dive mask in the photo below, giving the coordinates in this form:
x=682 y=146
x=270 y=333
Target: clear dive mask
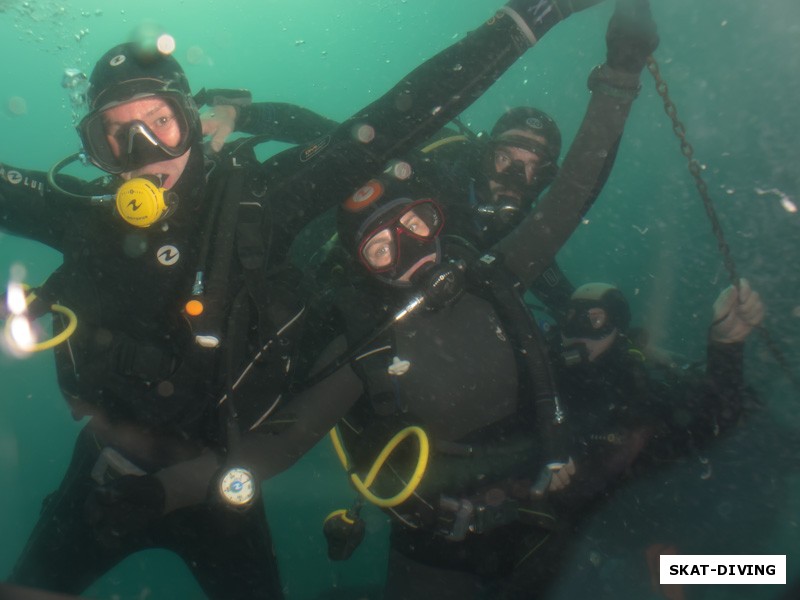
x=163 y=127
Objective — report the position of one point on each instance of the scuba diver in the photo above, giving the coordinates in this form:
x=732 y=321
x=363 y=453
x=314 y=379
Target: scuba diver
x=625 y=409
x=487 y=501
x=632 y=417
x=176 y=314
x=459 y=365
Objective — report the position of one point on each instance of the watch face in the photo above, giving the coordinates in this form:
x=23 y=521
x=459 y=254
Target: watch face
x=237 y=486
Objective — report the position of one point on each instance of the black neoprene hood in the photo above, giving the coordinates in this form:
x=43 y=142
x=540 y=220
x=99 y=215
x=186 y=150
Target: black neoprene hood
x=127 y=71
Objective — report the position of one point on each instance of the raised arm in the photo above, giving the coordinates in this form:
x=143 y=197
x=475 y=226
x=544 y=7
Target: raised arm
x=697 y=409
x=311 y=179
x=531 y=248
x=278 y=121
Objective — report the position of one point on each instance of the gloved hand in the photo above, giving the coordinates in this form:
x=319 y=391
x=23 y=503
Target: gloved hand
x=542 y=15
x=554 y=477
x=123 y=506
x=561 y=475
x=219 y=123
x=736 y=313
x=631 y=36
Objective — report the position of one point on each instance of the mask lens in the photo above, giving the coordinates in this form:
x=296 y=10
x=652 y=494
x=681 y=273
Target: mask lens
x=379 y=250
x=128 y=136
x=587 y=322
x=518 y=158
x=597 y=318
x=423 y=220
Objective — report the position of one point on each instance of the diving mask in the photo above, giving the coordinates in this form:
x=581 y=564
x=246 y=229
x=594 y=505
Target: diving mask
x=150 y=128
x=587 y=320
x=397 y=246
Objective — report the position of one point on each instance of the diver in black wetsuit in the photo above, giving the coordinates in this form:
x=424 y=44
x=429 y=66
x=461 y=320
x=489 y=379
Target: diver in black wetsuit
x=628 y=413
x=187 y=321
x=480 y=523
x=631 y=415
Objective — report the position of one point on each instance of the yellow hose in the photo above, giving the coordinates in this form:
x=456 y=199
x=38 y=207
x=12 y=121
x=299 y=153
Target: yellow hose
x=339 y=513
x=72 y=324
x=363 y=485
x=444 y=141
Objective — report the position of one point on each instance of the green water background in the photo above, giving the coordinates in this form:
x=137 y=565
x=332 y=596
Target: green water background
x=732 y=67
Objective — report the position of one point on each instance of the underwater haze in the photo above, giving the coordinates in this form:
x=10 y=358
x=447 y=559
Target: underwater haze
x=733 y=71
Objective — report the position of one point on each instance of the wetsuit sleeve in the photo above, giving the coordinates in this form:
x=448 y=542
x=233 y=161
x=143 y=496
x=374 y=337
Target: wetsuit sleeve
x=30 y=208
x=307 y=181
x=306 y=419
x=717 y=403
x=278 y=443
x=531 y=248
x=282 y=122
x=697 y=409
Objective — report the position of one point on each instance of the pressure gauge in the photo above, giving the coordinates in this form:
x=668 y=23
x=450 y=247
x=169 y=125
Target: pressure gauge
x=237 y=486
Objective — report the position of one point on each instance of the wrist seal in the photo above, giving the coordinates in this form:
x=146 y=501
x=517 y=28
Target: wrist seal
x=616 y=84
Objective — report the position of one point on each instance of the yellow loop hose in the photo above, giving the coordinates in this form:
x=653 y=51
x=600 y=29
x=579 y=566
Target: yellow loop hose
x=363 y=485
x=72 y=324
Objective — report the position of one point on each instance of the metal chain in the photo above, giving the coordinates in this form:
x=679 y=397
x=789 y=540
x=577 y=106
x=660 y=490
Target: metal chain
x=696 y=171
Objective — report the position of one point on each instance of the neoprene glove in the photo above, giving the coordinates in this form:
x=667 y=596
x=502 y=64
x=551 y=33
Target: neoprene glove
x=736 y=313
x=123 y=506
x=553 y=477
x=542 y=15
x=631 y=36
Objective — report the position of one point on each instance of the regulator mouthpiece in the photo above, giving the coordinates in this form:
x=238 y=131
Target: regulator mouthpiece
x=143 y=201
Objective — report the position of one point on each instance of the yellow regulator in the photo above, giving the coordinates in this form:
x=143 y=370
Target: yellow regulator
x=142 y=201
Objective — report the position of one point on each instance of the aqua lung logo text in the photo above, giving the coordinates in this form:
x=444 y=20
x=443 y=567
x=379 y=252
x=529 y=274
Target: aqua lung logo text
x=134 y=205
x=315 y=148
x=168 y=255
x=17 y=178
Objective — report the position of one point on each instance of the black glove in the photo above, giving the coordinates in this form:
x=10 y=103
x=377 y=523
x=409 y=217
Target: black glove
x=543 y=15
x=123 y=506
x=631 y=36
